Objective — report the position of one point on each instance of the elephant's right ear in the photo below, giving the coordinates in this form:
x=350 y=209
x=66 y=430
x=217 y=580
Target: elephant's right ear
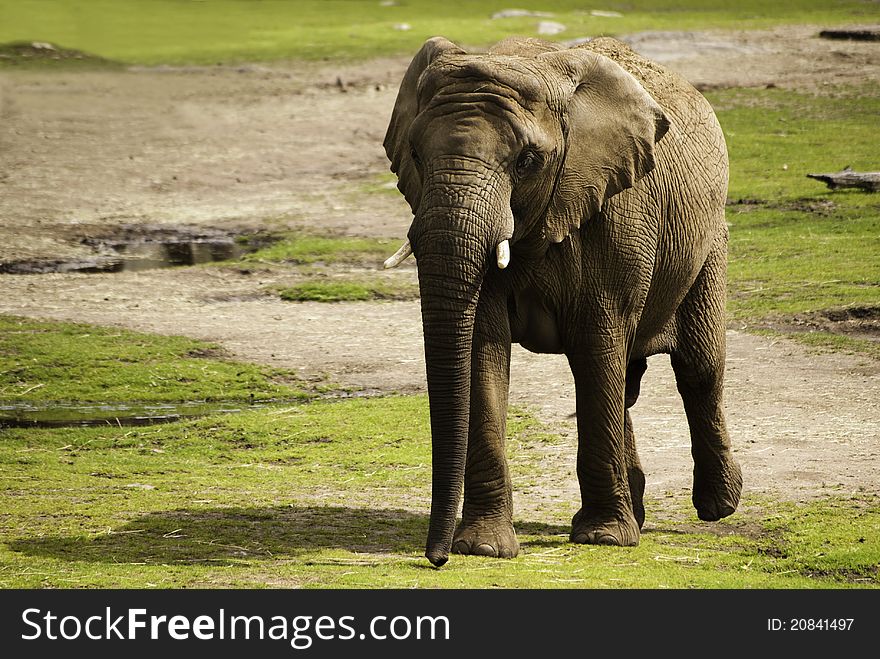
x=397 y=146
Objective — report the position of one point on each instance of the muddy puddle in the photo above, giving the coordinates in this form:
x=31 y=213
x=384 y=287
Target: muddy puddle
x=56 y=414
x=133 y=248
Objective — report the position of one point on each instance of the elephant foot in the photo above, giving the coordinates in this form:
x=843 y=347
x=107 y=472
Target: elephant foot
x=717 y=489
x=621 y=529
x=495 y=538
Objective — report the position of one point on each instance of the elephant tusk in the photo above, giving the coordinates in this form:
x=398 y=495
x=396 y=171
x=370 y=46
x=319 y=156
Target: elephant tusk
x=398 y=257
x=503 y=254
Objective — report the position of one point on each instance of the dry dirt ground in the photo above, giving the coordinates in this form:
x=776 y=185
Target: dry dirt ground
x=83 y=154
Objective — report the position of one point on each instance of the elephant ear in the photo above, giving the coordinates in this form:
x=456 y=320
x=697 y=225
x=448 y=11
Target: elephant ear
x=397 y=146
x=611 y=124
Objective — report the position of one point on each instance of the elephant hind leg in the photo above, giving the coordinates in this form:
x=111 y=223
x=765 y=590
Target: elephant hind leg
x=636 y=476
x=634 y=472
x=698 y=363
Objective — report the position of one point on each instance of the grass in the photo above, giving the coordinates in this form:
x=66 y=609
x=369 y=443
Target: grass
x=318 y=260
x=173 y=31
x=301 y=248
x=335 y=494
x=347 y=291
x=48 y=361
x=332 y=494
x=797 y=248
x=776 y=136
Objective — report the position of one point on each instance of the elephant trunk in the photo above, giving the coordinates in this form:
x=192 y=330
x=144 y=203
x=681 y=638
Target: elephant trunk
x=452 y=245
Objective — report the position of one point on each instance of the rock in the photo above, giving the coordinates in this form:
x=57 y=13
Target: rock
x=548 y=28
x=403 y=27
x=598 y=13
x=519 y=13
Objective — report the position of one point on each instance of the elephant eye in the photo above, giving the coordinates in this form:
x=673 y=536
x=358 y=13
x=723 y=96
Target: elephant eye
x=415 y=157
x=528 y=161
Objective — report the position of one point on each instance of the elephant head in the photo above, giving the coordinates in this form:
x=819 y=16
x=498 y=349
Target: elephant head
x=497 y=154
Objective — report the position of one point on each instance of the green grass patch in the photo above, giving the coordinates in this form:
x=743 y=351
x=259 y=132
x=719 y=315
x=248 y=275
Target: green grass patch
x=785 y=262
x=353 y=274
x=336 y=494
x=303 y=248
x=796 y=247
x=52 y=361
x=172 y=31
x=775 y=137
x=348 y=291
x=837 y=538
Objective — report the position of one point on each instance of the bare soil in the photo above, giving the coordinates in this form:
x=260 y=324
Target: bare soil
x=86 y=154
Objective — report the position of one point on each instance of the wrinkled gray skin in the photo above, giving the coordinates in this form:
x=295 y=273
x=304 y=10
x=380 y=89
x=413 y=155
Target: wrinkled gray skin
x=608 y=176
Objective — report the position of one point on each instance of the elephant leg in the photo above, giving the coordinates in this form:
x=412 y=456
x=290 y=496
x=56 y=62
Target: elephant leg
x=635 y=475
x=606 y=515
x=698 y=362
x=486 y=527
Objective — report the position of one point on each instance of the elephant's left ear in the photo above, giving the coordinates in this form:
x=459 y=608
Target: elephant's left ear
x=406 y=107
x=612 y=126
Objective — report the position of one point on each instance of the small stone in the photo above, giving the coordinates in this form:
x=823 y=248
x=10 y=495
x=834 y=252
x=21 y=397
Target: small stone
x=550 y=27
x=403 y=27
x=519 y=13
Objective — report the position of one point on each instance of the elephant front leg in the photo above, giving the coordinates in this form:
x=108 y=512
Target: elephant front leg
x=487 y=516
x=604 y=460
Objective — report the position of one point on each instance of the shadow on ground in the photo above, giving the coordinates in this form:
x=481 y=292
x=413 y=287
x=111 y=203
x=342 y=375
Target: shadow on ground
x=235 y=534
x=216 y=534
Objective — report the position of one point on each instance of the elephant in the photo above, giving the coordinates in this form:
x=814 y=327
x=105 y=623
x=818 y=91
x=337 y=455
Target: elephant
x=570 y=200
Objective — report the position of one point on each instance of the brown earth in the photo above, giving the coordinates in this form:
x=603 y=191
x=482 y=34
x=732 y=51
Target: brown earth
x=88 y=153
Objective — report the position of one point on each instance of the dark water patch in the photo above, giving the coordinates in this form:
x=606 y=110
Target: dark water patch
x=44 y=266
x=137 y=247
x=148 y=248
x=61 y=414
